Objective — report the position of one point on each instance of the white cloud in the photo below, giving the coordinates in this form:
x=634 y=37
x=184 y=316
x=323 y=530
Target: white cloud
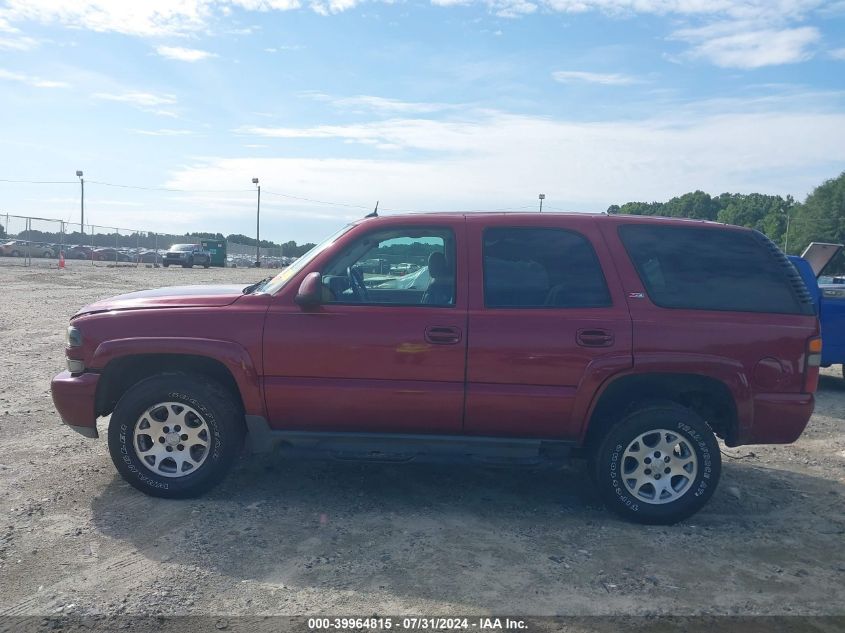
x=18 y=43
x=183 y=54
x=284 y=47
x=607 y=79
x=31 y=80
x=738 y=45
x=135 y=98
x=164 y=132
x=838 y=53
x=496 y=159
x=383 y=105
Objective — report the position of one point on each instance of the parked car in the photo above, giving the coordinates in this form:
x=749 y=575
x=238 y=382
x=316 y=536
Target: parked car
x=13 y=248
x=108 y=254
x=186 y=256
x=633 y=342
x=22 y=248
x=148 y=257
x=79 y=251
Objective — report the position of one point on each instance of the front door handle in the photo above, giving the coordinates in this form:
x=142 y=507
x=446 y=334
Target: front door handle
x=442 y=335
x=594 y=338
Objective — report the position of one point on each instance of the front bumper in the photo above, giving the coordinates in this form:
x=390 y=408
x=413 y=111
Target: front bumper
x=74 y=397
x=779 y=418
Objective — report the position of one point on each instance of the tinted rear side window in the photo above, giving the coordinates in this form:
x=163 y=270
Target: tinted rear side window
x=713 y=269
x=541 y=268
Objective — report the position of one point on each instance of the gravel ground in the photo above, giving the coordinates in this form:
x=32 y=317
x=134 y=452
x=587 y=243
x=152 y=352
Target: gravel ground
x=358 y=539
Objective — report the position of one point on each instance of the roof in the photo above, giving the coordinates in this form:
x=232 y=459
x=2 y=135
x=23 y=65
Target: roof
x=601 y=217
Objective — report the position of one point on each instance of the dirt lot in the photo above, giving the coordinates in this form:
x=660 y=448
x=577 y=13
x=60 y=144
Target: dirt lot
x=312 y=537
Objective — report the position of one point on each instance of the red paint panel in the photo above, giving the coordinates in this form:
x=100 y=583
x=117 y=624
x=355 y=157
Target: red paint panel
x=317 y=404
x=73 y=397
x=779 y=418
x=518 y=410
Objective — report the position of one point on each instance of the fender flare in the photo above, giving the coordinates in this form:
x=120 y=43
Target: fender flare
x=729 y=372
x=232 y=355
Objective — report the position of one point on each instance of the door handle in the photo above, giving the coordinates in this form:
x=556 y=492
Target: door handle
x=594 y=338
x=442 y=335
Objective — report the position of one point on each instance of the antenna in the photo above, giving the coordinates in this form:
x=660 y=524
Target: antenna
x=374 y=214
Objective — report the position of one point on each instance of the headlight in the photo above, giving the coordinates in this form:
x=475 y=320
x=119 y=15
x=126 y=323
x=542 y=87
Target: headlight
x=74 y=337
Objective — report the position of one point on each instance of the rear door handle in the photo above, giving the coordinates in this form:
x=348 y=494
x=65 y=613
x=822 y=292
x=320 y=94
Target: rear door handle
x=594 y=338
x=442 y=335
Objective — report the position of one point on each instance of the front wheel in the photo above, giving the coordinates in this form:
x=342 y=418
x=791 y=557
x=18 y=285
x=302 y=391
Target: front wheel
x=659 y=465
x=175 y=435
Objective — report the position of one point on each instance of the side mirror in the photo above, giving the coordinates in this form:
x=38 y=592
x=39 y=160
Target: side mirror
x=310 y=292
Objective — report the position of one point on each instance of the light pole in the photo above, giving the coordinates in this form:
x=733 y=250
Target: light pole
x=81 y=202
x=257 y=226
x=542 y=197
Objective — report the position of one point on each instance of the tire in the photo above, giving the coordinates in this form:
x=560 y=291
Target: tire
x=165 y=264
x=695 y=464
x=16 y=254
x=188 y=264
x=206 y=265
x=206 y=409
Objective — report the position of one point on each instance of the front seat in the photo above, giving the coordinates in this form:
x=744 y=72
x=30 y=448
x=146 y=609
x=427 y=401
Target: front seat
x=441 y=288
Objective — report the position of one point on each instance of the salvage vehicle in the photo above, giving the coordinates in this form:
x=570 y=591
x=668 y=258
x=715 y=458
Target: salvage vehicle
x=186 y=256
x=634 y=342
x=828 y=293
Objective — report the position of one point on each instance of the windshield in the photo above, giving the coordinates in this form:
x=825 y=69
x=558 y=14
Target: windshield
x=182 y=247
x=279 y=281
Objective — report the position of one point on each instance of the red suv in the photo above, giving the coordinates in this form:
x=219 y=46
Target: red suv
x=631 y=341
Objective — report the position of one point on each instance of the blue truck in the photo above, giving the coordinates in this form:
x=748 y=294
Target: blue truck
x=828 y=291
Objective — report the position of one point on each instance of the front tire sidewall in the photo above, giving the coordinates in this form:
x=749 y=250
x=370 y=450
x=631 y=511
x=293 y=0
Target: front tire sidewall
x=608 y=465
x=221 y=416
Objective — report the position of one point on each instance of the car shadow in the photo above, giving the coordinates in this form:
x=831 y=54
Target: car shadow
x=429 y=529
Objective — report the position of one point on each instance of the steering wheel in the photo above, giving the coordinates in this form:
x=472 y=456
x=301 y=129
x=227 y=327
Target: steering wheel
x=356 y=283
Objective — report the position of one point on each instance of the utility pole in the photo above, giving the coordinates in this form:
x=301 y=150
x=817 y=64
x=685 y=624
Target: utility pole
x=257 y=226
x=542 y=197
x=81 y=202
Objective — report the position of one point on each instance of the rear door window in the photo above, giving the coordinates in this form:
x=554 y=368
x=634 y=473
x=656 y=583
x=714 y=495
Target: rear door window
x=541 y=268
x=714 y=269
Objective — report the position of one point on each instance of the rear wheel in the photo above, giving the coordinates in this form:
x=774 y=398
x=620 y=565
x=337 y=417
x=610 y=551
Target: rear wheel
x=659 y=465
x=175 y=435
x=165 y=264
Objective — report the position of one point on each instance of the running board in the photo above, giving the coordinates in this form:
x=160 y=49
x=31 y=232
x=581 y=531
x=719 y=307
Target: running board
x=398 y=447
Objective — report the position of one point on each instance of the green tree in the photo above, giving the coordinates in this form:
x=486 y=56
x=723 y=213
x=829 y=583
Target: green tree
x=697 y=205
x=767 y=214
x=821 y=218
x=637 y=208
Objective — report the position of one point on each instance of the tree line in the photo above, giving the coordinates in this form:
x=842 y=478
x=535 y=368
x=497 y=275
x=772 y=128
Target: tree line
x=819 y=218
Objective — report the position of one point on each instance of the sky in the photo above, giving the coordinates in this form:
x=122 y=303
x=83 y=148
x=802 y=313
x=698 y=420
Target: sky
x=423 y=105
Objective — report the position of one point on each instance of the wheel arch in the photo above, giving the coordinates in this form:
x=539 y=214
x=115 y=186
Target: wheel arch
x=711 y=398
x=125 y=363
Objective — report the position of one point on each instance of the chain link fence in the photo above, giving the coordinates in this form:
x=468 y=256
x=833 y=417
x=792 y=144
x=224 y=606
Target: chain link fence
x=243 y=256
x=28 y=241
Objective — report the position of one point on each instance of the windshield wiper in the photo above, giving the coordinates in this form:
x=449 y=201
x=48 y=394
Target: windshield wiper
x=258 y=284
